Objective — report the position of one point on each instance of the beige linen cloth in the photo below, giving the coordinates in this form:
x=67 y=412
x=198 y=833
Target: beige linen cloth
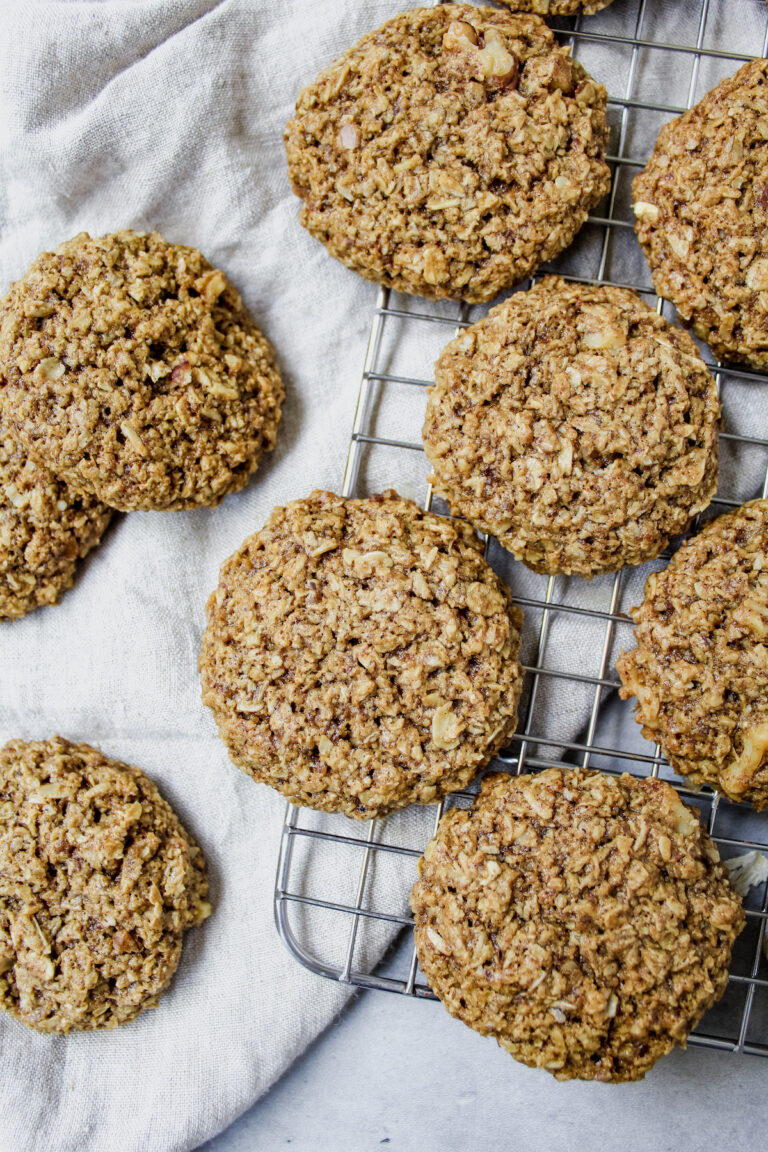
x=168 y=115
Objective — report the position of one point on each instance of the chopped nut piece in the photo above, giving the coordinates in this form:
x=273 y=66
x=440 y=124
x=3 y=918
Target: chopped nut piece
x=219 y=388
x=459 y=35
x=739 y=776
x=202 y=912
x=497 y=63
x=55 y=790
x=212 y=285
x=438 y=942
x=451 y=185
x=131 y=434
x=757 y=275
x=421 y=587
x=157 y=370
x=446 y=727
x=435 y=264
x=645 y=211
x=605 y=338
x=51 y=368
x=348 y=136
x=182 y=373
x=323 y=548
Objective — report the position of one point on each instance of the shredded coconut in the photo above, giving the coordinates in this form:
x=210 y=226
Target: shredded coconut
x=747 y=871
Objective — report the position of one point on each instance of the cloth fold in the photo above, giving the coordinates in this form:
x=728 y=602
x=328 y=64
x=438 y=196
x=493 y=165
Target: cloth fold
x=130 y=113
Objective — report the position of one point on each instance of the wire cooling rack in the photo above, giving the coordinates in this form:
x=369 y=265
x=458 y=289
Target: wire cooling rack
x=309 y=916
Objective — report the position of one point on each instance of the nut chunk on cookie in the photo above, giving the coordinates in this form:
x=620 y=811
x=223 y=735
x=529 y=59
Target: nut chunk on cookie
x=98 y=881
x=450 y=152
x=45 y=528
x=360 y=655
x=702 y=215
x=700 y=668
x=576 y=425
x=583 y=920
x=130 y=368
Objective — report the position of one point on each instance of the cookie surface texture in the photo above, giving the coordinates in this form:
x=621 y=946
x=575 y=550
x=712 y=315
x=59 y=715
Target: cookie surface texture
x=360 y=655
x=701 y=208
x=450 y=152
x=129 y=367
x=98 y=881
x=576 y=425
x=582 y=920
x=45 y=528
x=699 y=668
x=556 y=7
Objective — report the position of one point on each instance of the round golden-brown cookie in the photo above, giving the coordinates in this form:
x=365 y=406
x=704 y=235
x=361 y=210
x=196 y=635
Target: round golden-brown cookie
x=576 y=425
x=582 y=920
x=45 y=528
x=699 y=670
x=98 y=880
x=556 y=7
x=360 y=655
x=129 y=367
x=450 y=152
x=701 y=205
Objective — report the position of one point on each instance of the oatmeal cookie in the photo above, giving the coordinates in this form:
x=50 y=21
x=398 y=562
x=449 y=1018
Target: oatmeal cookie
x=450 y=152
x=129 y=367
x=699 y=670
x=576 y=425
x=45 y=528
x=98 y=881
x=583 y=920
x=702 y=216
x=360 y=655
x=556 y=7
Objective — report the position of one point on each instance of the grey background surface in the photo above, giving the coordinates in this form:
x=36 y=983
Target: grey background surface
x=398 y=1075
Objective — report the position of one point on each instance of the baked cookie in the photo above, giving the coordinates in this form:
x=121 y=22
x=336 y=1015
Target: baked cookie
x=699 y=670
x=360 y=655
x=129 y=367
x=556 y=7
x=450 y=152
x=583 y=920
x=98 y=881
x=702 y=216
x=45 y=528
x=576 y=425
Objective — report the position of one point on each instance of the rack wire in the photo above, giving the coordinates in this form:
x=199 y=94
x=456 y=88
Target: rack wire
x=374 y=914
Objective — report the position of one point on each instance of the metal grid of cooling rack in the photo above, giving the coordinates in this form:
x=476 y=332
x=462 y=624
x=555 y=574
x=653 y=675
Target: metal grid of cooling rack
x=740 y=1022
